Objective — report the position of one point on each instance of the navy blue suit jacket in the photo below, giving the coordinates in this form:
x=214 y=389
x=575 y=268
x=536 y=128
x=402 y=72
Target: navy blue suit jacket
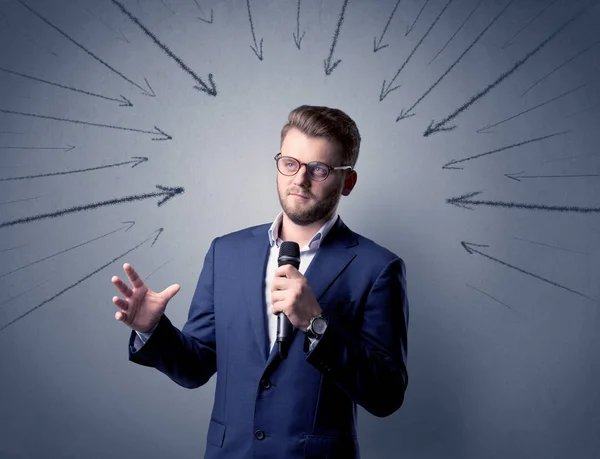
x=303 y=406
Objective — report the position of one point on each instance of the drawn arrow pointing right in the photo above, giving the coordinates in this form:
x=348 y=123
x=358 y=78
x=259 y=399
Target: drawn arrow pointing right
x=159 y=231
x=165 y=192
x=65 y=149
x=136 y=159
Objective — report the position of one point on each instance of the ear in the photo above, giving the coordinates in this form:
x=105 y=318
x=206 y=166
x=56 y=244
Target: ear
x=349 y=183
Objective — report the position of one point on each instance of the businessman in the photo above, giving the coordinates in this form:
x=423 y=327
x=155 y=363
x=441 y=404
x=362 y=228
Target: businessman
x=347 y=303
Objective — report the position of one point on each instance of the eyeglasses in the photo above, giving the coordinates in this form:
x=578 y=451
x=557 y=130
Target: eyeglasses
x=316 y=170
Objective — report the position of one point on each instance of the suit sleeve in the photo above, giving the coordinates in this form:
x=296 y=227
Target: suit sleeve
x=367 y=358
x=188 y=356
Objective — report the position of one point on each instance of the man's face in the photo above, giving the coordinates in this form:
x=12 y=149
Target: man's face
x=303 y=200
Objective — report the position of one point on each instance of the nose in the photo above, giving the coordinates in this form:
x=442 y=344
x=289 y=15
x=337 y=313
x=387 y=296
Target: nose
x=301 y=177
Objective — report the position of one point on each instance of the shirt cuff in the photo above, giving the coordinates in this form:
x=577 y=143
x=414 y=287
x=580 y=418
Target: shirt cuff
x=145 y=336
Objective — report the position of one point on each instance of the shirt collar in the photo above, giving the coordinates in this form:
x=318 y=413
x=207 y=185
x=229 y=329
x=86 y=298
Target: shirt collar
x=314 y=243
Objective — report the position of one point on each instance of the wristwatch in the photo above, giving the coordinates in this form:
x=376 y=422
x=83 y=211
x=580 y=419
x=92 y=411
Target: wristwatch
x=317 y=326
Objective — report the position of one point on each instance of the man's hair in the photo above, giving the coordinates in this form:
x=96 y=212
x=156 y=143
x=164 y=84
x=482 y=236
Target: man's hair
x=331 y=123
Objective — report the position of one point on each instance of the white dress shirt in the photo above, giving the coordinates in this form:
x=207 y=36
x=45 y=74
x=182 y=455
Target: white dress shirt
x=307 y=253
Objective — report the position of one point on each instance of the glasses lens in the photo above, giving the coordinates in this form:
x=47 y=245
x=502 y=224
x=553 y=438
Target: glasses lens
x=318 y=171
x=287 y=165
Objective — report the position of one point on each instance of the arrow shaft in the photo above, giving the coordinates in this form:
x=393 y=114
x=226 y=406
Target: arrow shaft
x=79 y=45
x=74 y=209
x=76 y=283
x=160 y=44
x=555 y=284
x=59 y=253
x=558 y=176
x=297 y=21
x=520 y=205
x=509 y=72
x=418 y=16
x=532 y=108
x=27 y=177
x=336 y=34
x=388 y=22
x=251 y=23
x=508 y=147
x=76 y=121
x=419 y=43
x=31 y=148
x=59 y=85
x=559 y=67
x=528 y=24
x=457 y=30
x=455 y=63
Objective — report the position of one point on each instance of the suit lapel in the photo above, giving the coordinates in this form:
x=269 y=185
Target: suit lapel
x=254 y=265
x=331 y=258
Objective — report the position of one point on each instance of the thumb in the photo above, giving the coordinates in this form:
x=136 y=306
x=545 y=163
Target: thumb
x=170 y=291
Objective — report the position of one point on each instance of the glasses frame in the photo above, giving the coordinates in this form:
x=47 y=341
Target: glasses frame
x=279 y=155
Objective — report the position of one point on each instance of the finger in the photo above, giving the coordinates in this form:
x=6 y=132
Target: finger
x=121 y=316
x=135 y=280
x=279 y=283
x=120 y=303
x=122 y=287
x=278 y=306
x=288 y=271
x=277 y=296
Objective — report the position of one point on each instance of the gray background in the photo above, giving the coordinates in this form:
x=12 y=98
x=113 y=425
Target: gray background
x=501 y=363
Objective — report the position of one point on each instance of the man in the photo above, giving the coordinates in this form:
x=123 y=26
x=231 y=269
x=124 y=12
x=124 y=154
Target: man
x=347 y=303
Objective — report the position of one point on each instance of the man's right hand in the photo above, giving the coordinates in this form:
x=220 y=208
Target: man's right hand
x=141 y=308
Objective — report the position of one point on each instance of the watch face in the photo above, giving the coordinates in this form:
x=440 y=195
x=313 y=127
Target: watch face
x=319 y=325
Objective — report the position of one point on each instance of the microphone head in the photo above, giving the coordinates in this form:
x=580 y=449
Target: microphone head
x=289 y=254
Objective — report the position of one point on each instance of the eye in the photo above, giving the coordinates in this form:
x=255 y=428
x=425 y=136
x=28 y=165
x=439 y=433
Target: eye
x=319 y=169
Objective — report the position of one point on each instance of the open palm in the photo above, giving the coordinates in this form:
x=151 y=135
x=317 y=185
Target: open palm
x=141 y=307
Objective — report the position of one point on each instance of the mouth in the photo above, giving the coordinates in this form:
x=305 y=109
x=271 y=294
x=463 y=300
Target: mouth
x=299 y=196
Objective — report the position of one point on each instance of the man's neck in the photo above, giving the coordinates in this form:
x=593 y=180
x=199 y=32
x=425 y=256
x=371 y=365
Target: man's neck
x=290 y=231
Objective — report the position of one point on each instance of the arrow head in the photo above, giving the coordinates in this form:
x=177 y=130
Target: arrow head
x=146 y=93
x=210 y=90
x=404 y=114
x=328 y=67
x=126 y=102
x=259 y=55
x=124 y=37
x=163 y=133
x=169 y=192
x=130 y=226
x=461 y=201
x=446 y=166
x=514 y=176
x=468 y=246
x=298 y=41
x=211 y=18
x=142 y=159
x=384 y=92
x=376 y=46
x=70 y=147
x=160 y=230
x=432 y=129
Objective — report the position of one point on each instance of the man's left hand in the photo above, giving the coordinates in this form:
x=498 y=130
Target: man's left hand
x=292 y=295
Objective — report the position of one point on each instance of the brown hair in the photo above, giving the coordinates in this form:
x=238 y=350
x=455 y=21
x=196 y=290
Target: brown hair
x=331 y=123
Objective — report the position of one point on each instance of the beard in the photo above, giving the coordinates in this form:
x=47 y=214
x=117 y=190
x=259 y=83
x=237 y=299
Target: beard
x=304 y=215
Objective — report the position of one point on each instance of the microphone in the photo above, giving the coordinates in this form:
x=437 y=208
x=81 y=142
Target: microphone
x=289 y=254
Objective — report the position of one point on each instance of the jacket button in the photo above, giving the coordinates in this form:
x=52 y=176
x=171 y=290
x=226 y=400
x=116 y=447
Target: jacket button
x=265 y=383
x=259 y=434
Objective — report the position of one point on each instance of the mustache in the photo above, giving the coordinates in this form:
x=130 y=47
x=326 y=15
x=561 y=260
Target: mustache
x=300 y=192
